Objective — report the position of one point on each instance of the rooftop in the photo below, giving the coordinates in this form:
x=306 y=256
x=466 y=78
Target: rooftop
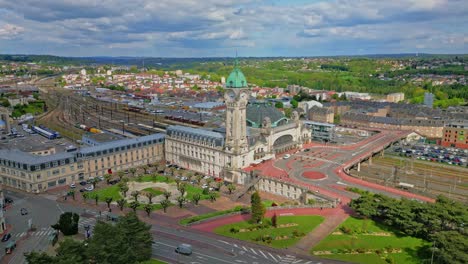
x=258 y=110
x=236 y=79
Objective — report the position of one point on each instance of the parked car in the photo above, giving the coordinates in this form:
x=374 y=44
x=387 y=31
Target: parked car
x=10 y=247
x=185 y=249
x=8 y=200
x=24 y=211
x=89 y=188
x=73 y=185
x=287 y=156
x=6 y=237
x=101 y=178
x=82 y=190
x=83 y=183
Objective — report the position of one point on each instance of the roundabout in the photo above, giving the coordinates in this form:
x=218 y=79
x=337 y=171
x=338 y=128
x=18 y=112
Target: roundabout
x=314 y=175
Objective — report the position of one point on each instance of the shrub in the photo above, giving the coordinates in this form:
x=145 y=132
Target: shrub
x=311 y=201
x=361 y=250
x=234 y=230
x=346 y=230
x=378 y=251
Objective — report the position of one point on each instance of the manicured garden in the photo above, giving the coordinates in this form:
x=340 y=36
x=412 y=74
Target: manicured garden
x=365 y=241
x=288 y=231
x=197 y=218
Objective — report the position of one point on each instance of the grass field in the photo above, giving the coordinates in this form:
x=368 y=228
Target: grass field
x=154 y=191
x=153 y=261
x=360 y=236
x=196 y=218
x=305 y=224
x=111 y=191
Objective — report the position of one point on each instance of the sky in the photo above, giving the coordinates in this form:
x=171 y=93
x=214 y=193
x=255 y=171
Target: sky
x=219 y=28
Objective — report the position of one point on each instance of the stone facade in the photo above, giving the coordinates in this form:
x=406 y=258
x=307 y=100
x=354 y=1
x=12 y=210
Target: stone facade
x=321 y=114
x=33 y=173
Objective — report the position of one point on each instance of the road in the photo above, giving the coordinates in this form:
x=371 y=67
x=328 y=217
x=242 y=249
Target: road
x=44 y=211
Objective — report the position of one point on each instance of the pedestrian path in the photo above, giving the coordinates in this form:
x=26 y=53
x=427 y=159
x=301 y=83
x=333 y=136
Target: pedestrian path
x=84 y=221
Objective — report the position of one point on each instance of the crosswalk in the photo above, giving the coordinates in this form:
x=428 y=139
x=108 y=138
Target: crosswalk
x=260 y=255
x=46 y=231
x=84 y=221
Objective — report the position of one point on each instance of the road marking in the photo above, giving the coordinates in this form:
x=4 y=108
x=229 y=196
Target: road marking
x=263 y=254
x=224 y=242
x=272 y=257
x=245 y=248
x=253 y=251
x=196 y=253
x=241 y=261
x=297 y=261
x=235 y=245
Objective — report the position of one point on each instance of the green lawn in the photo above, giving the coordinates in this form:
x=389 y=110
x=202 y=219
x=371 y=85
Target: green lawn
x=305 y=223
x=361 y=238
x=192 y=219
x=154 y=191
x=151 y=178
x=111 y=191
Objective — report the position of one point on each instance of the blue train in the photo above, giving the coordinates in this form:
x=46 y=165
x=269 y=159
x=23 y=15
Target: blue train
x=45 y=132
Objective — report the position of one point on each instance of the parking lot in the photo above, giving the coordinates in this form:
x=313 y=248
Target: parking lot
x=451 y=156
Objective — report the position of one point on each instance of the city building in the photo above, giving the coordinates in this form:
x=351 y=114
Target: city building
x=455 y=135
x=321 y=114
x=94 y=139
x=254 y=130
x=428 y=99
x=395 y=97
x=323 y=132
x=33 y=173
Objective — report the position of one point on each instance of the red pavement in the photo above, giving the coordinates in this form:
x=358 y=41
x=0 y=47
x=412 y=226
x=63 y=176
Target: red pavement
x=313 y=175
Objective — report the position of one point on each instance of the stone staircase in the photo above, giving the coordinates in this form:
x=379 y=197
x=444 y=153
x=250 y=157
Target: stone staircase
x=246 y=188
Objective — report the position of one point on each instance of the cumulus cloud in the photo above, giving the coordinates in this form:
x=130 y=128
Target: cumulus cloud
x=10 y=31
x=212 y=27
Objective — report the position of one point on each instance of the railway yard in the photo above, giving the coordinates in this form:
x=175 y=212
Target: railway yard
x=419 y=176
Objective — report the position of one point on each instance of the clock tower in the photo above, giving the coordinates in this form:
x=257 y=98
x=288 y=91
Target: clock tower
x=236 y=97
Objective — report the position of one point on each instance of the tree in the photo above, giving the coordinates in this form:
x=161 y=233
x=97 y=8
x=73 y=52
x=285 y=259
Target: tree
x=108 y=201
x=134 y=205
x=279 y=105
x=258 y=209
x=219 y=185
x=67 y=224
x=148 y=208
x=177 y=181
x=145 y=168
x=274 y=220
x=138 y=236
x=196 y=197
x=132 y=171
x=199 y=177
x=120 y=174
x=85 y=196
x=39 y=258
x=71 y=251
x=165 y=204
x=212 y=196
x=123 y=188
x=167 y=194
x=94 y=182
x=135 y=195
x=181 y=201
x=294 y=103
x=72 y=193
x=121 y=203
x=96 y=198
x=182 y=189
x=231 y=187
x=150 y=196
x=107 y=177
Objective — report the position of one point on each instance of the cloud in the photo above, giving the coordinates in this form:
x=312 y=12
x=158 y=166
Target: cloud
x=9 y=31
x=214 y=28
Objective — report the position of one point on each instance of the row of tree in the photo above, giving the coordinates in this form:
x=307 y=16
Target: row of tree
x=441 y=222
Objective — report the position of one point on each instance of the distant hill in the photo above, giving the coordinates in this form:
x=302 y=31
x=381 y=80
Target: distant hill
x=181 y=62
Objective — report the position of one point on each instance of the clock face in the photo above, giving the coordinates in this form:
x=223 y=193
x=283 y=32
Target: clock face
x=244 y=96
x=231 y=95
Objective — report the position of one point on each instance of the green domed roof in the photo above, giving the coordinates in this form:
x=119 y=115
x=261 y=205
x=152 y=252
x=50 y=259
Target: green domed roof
x=236 y=79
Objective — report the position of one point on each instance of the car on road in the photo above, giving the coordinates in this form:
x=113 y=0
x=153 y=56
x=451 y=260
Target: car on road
x=184 y=249
x=83 y=183
x=8 y=200
x=24 y=211
x=6 y=237
x=89 y=188
x=73 y=185
x=287 y=156
x=10 y=247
